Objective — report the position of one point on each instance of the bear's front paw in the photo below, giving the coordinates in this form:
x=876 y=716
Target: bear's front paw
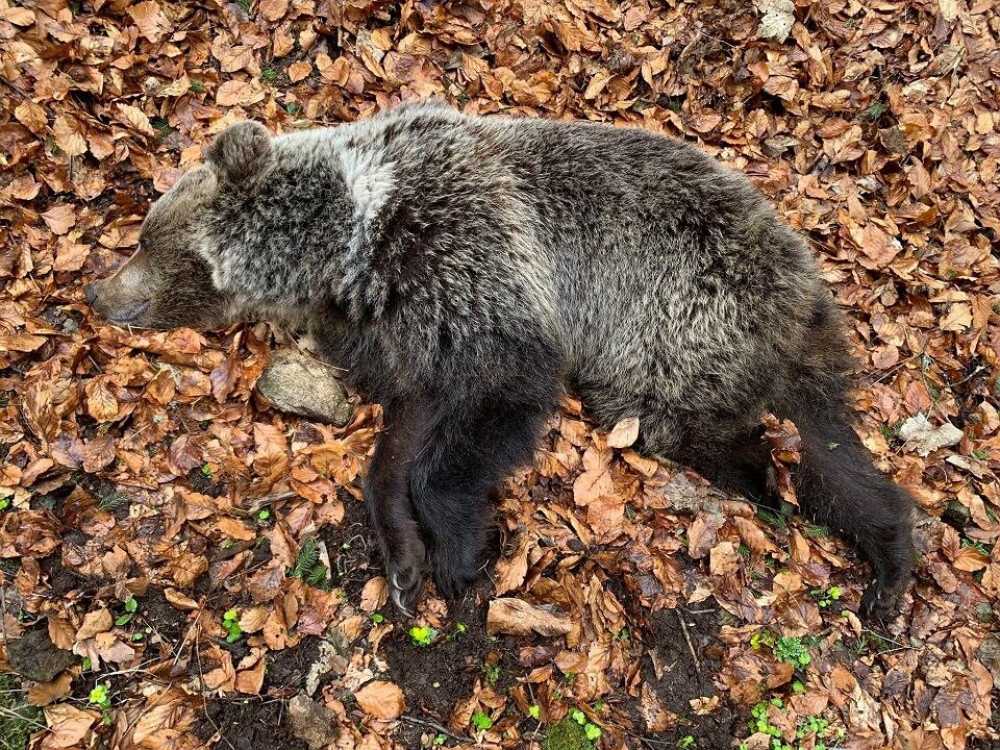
x=880 y=602
x=405 y=571
x=455 y=567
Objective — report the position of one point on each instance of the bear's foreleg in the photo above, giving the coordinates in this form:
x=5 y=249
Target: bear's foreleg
x=470 y=449
x=386 y=492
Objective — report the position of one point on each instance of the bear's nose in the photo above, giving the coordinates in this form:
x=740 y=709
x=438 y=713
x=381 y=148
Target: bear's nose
x=90 y=293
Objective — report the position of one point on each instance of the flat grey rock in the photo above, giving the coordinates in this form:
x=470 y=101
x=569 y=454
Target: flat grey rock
x=35 y=657
x=299 y=384
x=312 y=723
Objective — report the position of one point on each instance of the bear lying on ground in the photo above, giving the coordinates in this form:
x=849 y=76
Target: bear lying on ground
x=462 y=269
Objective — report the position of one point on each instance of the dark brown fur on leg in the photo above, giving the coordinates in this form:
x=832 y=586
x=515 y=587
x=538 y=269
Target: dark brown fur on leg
x=838 y=485
x=387 y=497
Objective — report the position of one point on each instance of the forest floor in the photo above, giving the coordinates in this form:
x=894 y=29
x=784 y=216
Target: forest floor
x=182 y=566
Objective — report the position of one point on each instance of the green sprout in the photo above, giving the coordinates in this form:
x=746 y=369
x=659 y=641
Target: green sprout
x=4 y=504
x=422 y=635
x=100 y=696
x=263 y=515
x=308 y=568
x=792 y=651
x=460 y=629
x=534 y=711
x=875 y=111
x=131 y=607
x=439 y=740
x=825 y=598
x=377 y=618
x=481 y=721
x=231 y=623
x=686 y=741
x=492 y=672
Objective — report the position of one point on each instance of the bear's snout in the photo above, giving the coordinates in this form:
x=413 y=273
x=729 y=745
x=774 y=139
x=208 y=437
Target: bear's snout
x=109 y=301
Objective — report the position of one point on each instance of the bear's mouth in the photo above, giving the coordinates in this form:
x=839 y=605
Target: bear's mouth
x=129 y=313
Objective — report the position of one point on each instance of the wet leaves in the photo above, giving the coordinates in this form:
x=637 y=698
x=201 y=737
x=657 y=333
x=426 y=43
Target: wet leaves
x=145 y=464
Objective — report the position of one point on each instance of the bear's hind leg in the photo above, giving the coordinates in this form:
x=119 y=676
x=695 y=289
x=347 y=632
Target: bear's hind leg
x=386 y=493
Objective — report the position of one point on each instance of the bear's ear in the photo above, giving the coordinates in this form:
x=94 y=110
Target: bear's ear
x=241 y=150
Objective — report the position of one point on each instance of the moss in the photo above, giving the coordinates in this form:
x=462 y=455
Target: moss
x=567 y=735
x=17 y=719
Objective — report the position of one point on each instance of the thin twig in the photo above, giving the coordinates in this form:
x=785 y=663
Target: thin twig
x=650 y=742
x=438 y=727
x=687 y=637
x=902 y=646
x=262 y=502
x=18 y=717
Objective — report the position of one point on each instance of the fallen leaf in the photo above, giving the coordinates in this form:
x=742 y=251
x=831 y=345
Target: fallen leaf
x=151 y=22
x=383 y=700
x=60 y=218
x=624 y=434
x=95 y=622
x=517 y=617
x=44 y=693
x=375 y=594
x=918 y=434
x=67 y=725
x=777 y=20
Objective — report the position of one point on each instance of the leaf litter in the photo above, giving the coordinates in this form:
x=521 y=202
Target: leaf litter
x=144 y=467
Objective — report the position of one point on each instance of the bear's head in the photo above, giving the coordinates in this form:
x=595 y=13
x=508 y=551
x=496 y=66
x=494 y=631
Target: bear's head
x=168 y=283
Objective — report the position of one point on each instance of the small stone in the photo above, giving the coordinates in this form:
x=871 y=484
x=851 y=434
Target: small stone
x=892 y=139
x=35 y=657
x=296 y=383
x=312 y=723
x=957 y=514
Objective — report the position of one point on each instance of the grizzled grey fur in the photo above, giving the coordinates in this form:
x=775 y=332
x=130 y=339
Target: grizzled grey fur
x=461 y=269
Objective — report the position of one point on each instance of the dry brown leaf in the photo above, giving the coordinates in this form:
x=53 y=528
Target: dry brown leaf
x=135 y=118
x=273 y=10
x=178 y=600
x=99 y=621
x=250 y=681
x=235 y=93
x=375 y=594
x=151 y=22
x=596 y=480
x=266 y=583
x=17 y=15
x=654 y=713
x=517 y=617
x=511 y=570
x=383 y=700
x=67 y=725
x=624 y=434
x=44 y=693
x=60 y=218
x=61 y=633
x=299 y=71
